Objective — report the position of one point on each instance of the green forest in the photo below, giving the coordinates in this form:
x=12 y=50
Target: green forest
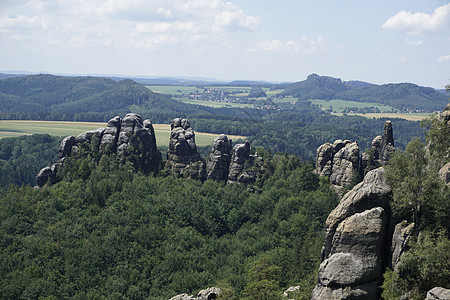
x=109 y=231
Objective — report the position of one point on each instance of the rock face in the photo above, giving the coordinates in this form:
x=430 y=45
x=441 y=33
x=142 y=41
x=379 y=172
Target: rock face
x=353 y=254
x=339 y=161
x=400 y=239
x=444 y=173
x=241 y=153
x=438 y=293
x=182 y=155
x=131 y=138
x=206 y=294
x=219 y=159
x=444 y=116
x=244 y=167
x=345 y=164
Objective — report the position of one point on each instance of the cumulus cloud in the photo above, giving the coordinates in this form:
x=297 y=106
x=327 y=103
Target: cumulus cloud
x=444 y=58
x=420 y=22
x=118 y=22
x=413 y=43
x=304 y=45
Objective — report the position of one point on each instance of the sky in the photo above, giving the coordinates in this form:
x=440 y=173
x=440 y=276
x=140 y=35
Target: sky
x=380 y=41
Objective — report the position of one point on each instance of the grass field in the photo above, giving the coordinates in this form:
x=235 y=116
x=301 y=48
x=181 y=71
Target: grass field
x=339 y=105
x=213 y=103
x=406 y=116
x=12 y=128
x=174 y=90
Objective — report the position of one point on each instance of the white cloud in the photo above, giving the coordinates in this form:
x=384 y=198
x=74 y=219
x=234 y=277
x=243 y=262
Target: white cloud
x=413 y=43
x=305 y=45
x=139 y=23
x=443 y=59
x=420 y=22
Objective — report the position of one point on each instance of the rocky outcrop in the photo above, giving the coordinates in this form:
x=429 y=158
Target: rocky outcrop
x=131 y=138
x=382 y=148
x=182 y=155
x=353 y=255
x=244 y=167
x=345 y=164
x=444 y=173
x=219 y=159
x=206 y=294
x=438 y=293
x=444 y=116
x=341 y=162
x=324 y=159
x=400 y=240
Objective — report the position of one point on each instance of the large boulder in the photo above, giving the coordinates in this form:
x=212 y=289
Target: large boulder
x=353 y=254
x=438 y=293
x=182 y=155
x=219 y=159
x=206 y=294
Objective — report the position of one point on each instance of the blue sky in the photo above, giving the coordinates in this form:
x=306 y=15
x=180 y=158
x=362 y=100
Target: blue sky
x=375 y=41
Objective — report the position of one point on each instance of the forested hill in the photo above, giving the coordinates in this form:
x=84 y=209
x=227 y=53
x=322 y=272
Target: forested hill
x=401 y=95
x=52 y=97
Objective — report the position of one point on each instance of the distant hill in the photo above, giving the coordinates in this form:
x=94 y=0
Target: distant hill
x=90 y=99
x=401 y=95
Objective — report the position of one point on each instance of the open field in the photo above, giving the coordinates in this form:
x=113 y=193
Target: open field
x=174 y=90
x=406 y=116
x=213 y=103
x=340 y=105
x=12 y=128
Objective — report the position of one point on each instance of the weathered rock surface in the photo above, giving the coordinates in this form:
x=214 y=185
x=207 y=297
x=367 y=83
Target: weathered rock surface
x=400 y=239
x=241 y=153
x=244 y=167
x=45 y=175
x=387 y=144
x=444 y=173
x=206 y=294
x=339 y=161
x=352 y=259
x=219 y=159
x=324 y=159
x=345 y=165
x=182 y=155
x=119 y=136
x=444 y=116
x=438 y=293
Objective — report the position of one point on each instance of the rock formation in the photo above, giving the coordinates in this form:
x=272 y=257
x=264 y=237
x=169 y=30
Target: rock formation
x=444 y=173
x=438 y=293
x=444 y=116
x=182 y=155
x=206 y=294
x=353 y=256
x=219 y=159
x=345 y=164
x=382 y=149
x=339 y=161
x=131 y=138
x=400 y=239
x=244 y=167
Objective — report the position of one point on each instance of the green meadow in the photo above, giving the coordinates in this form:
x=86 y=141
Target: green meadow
x=339 y=105
x=12 y=128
